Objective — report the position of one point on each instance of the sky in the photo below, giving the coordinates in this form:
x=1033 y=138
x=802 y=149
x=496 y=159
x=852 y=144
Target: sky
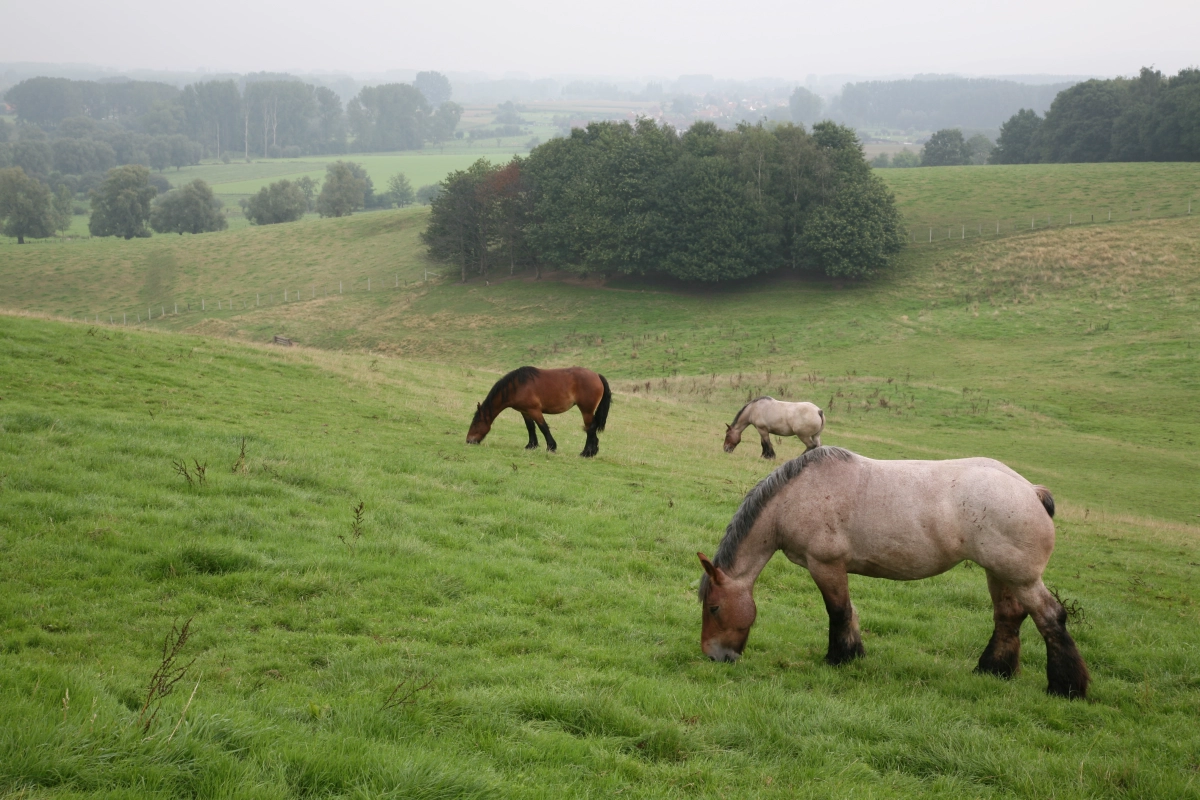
x=786 y=39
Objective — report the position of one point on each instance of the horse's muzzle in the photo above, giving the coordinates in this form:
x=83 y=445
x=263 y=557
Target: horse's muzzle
x=722 y=654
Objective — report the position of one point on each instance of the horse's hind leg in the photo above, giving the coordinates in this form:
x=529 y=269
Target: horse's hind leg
x=533 y=440
x=1002 y=656
x=845 y=640
x=592 y=446
x=1066 y=673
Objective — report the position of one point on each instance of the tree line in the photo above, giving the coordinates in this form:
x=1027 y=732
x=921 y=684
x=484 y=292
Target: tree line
x=1148 y=118
x=705 y=205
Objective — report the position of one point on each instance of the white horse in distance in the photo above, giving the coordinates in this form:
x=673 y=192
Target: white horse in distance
x=771 y=416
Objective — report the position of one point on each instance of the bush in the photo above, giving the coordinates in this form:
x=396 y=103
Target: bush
x=190 y=209
x=282 y=201
x=344 y=190
x=428 y=193
x=121 y=206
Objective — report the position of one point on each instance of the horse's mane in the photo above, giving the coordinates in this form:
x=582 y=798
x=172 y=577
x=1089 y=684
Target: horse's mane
x=738 y=415
x=757 y=499
x=504 y=388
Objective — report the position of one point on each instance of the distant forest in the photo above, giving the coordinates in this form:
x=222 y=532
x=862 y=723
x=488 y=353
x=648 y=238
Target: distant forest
x=933 y=103
x=1148 y=118
x=77 y=127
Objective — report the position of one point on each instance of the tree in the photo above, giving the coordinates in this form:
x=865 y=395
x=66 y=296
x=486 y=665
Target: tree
x=121 y=206
x=460 y=228
x=435 y=86
x=400 y=190
x=1018 y=141
x=979 y=149
x=62 y=206
x=856 y=235
x=428 y=193
x=443 y=122
x=33 y=154
x=906 y=158
x=805 y=106
x=190 y=209
x=388 y=117
x=343 y=191
x=25 y=206
x=1079 y=124
x=945 y=148
x=309 y=187
x=282 y=201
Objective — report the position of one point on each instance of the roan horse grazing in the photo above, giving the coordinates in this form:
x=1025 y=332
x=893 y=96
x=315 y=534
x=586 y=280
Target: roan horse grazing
x=769 y=416
x=535 y=392
x=835 y=512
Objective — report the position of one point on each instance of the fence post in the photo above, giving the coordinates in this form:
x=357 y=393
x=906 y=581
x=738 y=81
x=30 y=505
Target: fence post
x=1031 y=223
x=368 y=284
x=258 y=298
x=963 y=234
x=177 y=309
x=201 y=303
x=339 y=287
x=930 y=240
x=110 y=320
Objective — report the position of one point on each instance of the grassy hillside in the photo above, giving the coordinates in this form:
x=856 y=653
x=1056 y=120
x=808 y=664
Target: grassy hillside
x=544 y=602
x=980 y=197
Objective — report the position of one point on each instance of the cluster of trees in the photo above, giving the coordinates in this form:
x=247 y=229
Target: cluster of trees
x=945 y=148
x=933 y=102
x=705 y=205
x=1148 y=118
x=347 y=188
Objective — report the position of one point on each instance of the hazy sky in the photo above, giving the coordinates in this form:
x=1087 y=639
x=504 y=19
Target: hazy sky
x=772 y=38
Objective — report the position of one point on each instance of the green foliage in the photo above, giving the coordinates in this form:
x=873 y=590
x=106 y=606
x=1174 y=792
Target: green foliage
x=1148 y=118
x=190 y=209
x=857 y=234
x=906 y=158
x=25 y=206
x=805 y=107
x=400 y=191
x=62 y=207
x=434 y=86
x=945 y=148
x=979 y=149
x=881 y=161
x=343 y=191
x=121 y=205
x=282 y=201
x=392 y=116
x=939 y=101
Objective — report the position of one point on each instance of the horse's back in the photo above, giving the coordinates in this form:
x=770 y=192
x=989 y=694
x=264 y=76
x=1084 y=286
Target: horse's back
x=913 y=519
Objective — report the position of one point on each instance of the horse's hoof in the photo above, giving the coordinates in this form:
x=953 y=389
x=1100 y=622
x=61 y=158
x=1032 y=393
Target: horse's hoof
x=531 y=447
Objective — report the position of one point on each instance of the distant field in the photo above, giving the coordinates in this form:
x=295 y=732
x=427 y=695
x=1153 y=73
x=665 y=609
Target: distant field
x=979 y=197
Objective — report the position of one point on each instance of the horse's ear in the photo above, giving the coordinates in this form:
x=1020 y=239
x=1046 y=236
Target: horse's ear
x=713 y=573
x=479 y=406
x=728 y=427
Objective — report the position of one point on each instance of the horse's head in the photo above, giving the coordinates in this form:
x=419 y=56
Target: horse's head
x=733 y=437
x=479 y=426
x=727 y=613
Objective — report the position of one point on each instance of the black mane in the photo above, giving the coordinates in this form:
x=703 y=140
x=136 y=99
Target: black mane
x=738 y=415
x=502 y=391
x=757 y=499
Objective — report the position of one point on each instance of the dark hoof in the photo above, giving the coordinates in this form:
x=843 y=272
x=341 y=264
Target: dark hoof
x=995 y=668
x=531 y=446
x=1069 y=691
x=588 y=453
x=844 y=655
x=551 y=449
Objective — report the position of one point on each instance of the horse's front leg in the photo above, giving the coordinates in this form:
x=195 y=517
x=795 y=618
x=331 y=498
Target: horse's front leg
x=551 y=445
x=845 y=640
x=529 y=426
x=768 y=450
x=1002 y=656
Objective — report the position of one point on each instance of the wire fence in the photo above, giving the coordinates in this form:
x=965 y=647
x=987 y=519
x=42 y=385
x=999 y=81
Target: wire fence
x=931 y=233
x=238 y=302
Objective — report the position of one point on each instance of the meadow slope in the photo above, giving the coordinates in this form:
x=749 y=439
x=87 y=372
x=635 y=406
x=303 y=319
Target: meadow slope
x=544 y=603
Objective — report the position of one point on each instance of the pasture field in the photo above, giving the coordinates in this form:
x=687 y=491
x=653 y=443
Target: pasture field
x=1011 y=194
x=550 y=600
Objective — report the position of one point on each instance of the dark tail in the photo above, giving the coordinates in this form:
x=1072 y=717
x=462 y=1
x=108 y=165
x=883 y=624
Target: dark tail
x=600 y=418
x=1047 y=499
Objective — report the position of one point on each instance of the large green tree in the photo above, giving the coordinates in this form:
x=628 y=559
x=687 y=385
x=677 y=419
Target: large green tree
x=25 y=206
x=434 y=86
x=1018 y=141
x=946 y=148
x=121 y=205
x=192 y=208
x=388 y=117
x=805 y=107
x=343 y=191
x=282 y=201
x=856 y=234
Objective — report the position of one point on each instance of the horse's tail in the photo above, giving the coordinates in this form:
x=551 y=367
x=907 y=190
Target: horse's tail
x=600 y=418
x=1047 y=499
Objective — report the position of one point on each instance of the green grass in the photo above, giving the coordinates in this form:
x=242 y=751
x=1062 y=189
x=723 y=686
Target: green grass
x=550 y=598
x=979 y=197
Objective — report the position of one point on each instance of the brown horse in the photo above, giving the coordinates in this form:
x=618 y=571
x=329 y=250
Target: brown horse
x=535 y=392
x=834 y=513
